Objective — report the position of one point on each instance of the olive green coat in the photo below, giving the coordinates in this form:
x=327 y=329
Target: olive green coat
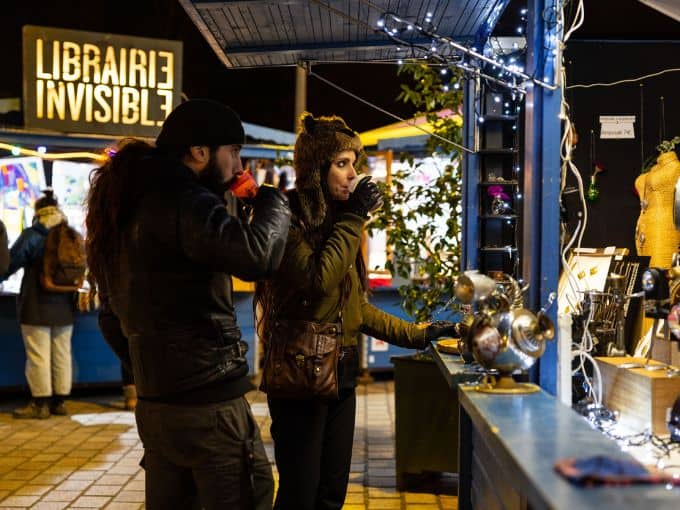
x=312 y=283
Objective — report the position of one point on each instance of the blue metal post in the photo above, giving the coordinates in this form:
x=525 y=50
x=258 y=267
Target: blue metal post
x=542 y=171
x=471 y=171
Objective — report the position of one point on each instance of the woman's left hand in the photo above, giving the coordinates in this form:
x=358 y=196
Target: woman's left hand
x=438 y=329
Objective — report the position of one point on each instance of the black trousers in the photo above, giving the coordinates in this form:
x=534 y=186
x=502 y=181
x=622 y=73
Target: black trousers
x=313 y=450
x=208 y=456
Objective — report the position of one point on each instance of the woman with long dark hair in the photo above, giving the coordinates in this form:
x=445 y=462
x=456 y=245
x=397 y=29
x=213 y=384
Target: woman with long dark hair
x=162 y=246
x=323 y=278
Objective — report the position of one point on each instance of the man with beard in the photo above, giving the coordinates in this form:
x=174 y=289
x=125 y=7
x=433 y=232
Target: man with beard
x=162 y=247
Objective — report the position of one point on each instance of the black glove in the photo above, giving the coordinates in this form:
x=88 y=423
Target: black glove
x=438 y=329
x=364 y=199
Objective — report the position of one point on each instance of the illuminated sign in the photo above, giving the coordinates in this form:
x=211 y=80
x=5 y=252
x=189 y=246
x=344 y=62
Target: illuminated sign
x=88 y=82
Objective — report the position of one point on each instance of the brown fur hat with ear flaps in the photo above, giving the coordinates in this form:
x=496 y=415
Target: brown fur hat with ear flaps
x=319 y=140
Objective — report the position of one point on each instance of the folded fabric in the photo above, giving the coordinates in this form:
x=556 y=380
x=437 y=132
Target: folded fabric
x=602 y=470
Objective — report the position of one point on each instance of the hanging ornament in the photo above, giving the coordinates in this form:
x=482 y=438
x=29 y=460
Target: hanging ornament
x=593 y=192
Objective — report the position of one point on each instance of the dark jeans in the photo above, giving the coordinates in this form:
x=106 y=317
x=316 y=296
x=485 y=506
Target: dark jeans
x=313 y=450
x=212 y=453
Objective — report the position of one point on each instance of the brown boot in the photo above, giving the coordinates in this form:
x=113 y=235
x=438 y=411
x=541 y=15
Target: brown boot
x=37 y=409
x=130 y=394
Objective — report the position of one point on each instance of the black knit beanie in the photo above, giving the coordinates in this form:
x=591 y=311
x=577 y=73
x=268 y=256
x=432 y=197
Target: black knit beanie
x=47 y=200
x=201 y=122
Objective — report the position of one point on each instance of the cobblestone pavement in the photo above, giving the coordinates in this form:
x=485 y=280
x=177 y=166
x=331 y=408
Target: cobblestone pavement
x=90 y=459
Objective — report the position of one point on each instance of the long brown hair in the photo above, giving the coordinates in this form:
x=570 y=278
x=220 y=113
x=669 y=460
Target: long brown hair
x=115 y=188
x=271 y=294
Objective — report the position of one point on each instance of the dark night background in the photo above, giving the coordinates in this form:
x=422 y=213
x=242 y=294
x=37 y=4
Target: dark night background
x=265 y=96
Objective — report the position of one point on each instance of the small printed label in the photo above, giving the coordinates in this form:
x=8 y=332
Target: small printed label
x=611 y=131
x=617 y=126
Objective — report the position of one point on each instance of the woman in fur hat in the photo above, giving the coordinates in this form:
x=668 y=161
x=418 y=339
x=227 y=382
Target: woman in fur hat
x=323 y=274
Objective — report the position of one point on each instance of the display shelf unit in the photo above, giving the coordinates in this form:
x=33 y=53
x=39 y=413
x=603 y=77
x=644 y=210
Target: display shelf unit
x=499 y=183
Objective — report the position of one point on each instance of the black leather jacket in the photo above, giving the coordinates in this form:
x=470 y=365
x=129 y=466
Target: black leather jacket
x=170 y=292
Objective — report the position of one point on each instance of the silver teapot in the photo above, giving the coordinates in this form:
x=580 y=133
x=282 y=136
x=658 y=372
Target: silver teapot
x=504 y=336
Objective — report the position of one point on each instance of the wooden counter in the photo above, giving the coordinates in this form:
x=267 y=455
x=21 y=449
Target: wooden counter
x=510 y=443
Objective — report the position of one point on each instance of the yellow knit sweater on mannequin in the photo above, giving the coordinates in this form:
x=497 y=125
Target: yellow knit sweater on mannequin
x=655 y=235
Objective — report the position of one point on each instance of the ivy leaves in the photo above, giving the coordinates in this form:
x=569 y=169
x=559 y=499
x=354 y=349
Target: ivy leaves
x=422 y=215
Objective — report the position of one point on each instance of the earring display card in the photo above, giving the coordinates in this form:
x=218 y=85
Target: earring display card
x=587 y=272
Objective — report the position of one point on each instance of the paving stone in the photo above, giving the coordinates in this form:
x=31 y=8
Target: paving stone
x=113 y=480
x=386 y=504
x=381 y=481
x=61 y=496
x=74 y=485
x=50 y=505
x=19 y=501
x=382 y=492
x=49 y=457
x=21 y=474
x=135 y=485
x=354 y=498
x=416 y=497
x=103 y=490
x=448 y=502
x=33 y=490
x=130 y=496
x=10 y=485
x=117 y=505
x=90 y=502
x=86 y=475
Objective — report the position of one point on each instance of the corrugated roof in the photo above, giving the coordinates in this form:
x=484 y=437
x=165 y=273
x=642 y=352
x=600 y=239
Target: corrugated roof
x=261 y=33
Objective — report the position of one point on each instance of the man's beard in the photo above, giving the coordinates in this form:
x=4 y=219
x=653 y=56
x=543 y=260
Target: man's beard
x=211 y=177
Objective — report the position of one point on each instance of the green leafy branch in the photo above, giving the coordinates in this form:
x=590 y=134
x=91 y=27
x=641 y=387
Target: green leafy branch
x=424 y=254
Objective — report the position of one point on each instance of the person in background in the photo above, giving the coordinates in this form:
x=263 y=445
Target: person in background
x=46 y=318
x=4 y=249
x=323 y=277
x=162 y=247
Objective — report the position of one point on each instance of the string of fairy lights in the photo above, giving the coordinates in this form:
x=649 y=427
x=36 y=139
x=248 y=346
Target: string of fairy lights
x=41 y=151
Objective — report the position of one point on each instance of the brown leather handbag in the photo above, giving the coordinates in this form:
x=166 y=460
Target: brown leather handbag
x=302 y=360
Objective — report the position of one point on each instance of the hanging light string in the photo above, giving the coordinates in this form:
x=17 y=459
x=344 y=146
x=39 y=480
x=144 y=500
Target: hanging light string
x=510 y=69
x=627 y=80
x=388 y=113
x=462 y=65
x=52 y=156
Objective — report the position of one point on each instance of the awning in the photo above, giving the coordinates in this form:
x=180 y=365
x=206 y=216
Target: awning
x=260 y=33
x=414 y=127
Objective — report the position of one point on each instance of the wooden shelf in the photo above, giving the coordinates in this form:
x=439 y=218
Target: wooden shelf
x=499 y=183
x=499 y=216
x=497 y=249
x=496 y=117
x=497 y=152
